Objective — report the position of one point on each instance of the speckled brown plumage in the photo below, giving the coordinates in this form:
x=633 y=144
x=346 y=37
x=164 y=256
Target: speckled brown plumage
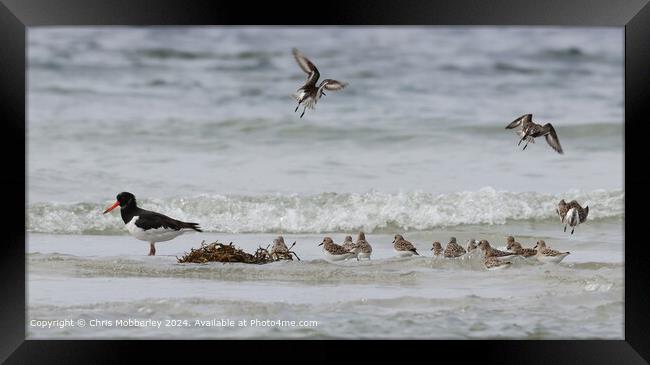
x=543 y=250
x=489 y=251
x=400 y=244
x=362 y=245
x=453 y=249
x=563 y=207
x=572 y=214
x=437 y=249
x=528 y=131
x=516 y=248
x=492 y=263
x=333 y=248
x=472 y=245
x=279 y=247
x=348 y=244
x=309 y=94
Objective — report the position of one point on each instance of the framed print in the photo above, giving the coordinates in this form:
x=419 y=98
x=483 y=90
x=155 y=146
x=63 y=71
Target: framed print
x=448 y=172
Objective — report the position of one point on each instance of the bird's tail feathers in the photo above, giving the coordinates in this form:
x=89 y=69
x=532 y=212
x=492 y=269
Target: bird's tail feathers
x=194 y=226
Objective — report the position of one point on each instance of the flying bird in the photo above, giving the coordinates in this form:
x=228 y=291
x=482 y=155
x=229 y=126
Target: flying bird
x=528 y=131
x=309 y=93
x=572 y=214
x=149 y=226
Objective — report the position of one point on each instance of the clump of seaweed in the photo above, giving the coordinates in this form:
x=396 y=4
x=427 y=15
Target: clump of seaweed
x=219 y=252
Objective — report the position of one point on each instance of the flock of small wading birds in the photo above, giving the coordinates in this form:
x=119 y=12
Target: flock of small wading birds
x=493 y=259
x=155 y=227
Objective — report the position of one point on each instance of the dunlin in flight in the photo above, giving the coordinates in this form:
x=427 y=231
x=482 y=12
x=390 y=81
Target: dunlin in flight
x=572 y=214
x=309 y=94
x=546 y=255
x=149 y=226
x=528 y=131
x=403 y=248
x=453 y=249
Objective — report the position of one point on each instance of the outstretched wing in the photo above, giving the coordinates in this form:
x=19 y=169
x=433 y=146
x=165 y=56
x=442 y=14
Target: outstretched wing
x=562 y=209
x=551 y=138
x=519 y=122
x=304 y=63
x=582 y=214
x=333 y=85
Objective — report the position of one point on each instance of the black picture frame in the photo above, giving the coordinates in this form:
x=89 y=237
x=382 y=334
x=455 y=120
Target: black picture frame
x=17 y=15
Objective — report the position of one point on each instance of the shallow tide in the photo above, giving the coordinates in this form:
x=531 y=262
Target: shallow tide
x=110 y=278
x=199 y=124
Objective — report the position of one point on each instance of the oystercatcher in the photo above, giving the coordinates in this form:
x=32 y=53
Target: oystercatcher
x=309 y=93
x=149 y=226
x=528 y=131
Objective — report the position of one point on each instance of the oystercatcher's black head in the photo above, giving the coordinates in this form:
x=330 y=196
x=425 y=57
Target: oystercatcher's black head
x=124 y=200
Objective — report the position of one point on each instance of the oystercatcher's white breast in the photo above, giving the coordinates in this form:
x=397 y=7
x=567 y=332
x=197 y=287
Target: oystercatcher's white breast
x=152 y=235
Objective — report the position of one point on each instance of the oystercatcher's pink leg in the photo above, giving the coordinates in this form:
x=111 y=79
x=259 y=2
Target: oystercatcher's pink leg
x=152 y=249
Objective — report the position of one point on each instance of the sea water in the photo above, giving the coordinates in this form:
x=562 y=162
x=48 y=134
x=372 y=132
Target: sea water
x=199 y=123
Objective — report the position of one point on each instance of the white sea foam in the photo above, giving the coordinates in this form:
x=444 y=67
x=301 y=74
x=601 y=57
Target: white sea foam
x=330 y=212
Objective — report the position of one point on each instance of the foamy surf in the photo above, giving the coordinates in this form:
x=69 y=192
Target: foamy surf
x=330 y=212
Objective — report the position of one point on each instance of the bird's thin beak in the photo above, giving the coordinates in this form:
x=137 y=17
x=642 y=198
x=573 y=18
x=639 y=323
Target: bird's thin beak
x=117 y=204
x=320 y=244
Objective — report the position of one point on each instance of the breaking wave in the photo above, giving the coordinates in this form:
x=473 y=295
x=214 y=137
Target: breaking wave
x=330 y=212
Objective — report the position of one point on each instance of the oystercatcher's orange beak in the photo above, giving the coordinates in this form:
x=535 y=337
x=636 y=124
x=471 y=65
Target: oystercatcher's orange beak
x=117 y=204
